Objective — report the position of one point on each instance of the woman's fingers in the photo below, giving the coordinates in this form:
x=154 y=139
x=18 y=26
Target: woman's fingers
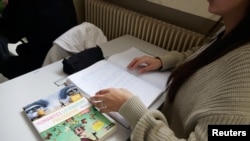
x=111 y=99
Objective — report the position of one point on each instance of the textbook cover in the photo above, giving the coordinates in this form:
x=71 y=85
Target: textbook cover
x=68 y=116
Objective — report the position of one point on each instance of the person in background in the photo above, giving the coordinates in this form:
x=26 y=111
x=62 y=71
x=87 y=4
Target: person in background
x=207 y=86
x=4 y=51
x=40 y=22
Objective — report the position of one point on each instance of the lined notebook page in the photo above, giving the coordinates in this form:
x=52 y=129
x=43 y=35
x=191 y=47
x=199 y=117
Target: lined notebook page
x=122 y=59
x=104 y=74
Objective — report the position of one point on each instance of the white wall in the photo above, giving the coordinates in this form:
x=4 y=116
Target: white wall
x=196 y=7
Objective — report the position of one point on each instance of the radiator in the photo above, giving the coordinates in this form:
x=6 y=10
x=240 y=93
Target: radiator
x=116 y=21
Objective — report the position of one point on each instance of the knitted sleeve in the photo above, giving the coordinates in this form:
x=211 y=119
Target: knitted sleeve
x=151 y=125
x=147 y=125
x=173 y=58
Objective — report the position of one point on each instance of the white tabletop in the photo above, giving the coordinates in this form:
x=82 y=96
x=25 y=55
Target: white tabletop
x=16 y=93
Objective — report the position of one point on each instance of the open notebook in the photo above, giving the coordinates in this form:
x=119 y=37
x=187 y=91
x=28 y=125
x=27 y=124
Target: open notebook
x=113 y=72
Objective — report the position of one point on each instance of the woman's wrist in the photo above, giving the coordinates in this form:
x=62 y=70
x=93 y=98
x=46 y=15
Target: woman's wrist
x=160 y=62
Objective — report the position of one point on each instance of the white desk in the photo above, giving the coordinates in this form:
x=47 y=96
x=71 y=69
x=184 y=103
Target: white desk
x=16 y=93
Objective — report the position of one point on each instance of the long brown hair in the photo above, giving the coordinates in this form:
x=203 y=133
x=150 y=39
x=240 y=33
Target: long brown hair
x=238 y=36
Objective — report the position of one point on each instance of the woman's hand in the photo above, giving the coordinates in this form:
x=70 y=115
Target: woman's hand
x=145 y=64
x=111 y=99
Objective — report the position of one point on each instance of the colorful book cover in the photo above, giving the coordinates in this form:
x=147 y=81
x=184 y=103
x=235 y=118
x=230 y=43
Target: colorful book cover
x=68 y=116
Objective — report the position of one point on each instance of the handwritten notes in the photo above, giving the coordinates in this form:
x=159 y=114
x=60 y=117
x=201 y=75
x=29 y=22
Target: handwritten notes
x=104 y=74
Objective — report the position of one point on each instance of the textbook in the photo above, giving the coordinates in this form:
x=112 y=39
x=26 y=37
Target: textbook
x=113 y=72
x=68 y=116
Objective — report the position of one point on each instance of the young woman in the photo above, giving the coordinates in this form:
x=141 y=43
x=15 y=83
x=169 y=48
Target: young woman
x=208 y=86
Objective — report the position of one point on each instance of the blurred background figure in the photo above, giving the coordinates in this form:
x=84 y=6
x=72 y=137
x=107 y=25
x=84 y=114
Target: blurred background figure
x=40 y=22
x=4 y=52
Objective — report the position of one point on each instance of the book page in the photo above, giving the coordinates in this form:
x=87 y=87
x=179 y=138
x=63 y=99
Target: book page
x=122 y=59
x=104 y=74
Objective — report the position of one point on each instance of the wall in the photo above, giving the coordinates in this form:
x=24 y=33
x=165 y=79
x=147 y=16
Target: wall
x=196 y=7
x=169 y=14
x=79 y=6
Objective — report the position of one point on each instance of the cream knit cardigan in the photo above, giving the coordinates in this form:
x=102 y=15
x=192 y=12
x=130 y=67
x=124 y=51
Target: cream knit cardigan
x=218 y=93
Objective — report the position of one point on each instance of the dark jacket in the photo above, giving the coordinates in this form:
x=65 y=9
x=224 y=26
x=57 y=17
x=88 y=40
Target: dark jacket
x=41 y=22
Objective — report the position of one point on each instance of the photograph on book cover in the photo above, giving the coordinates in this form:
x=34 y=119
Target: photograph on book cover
x=62 y=98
